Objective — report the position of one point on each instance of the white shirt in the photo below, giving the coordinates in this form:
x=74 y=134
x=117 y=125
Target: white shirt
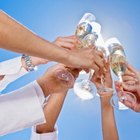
x=14 y=104
x=12 y=69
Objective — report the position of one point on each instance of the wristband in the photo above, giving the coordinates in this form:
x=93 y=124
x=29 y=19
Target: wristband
x=28 y=62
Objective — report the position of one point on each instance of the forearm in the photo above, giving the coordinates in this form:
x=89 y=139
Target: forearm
x=51 y=111
x=15 y=37
x=108 y=120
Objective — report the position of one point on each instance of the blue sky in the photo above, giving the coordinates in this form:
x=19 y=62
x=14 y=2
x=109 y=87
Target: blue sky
x=51 y=18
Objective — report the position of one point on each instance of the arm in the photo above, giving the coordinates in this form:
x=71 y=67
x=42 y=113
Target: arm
x=54 y=105
x=23 y=108
x=108 y=120
x=15 y=37
x=15 y=68
x=12 y=69
x=131 y=84
x=51 y=111
x=109 y=128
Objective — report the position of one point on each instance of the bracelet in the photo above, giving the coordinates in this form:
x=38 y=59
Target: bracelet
x=107 y=92
x=28 y=62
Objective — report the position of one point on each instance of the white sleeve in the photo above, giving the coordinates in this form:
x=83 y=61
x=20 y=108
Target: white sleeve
x=12 y=69
x=45 y=136
x=21 y=109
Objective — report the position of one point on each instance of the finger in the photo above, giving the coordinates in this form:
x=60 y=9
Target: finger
x=95 y=67
x=129 y=100
x=100 y=53
x=129 y=73
x=67 y=45
x=128 y=78
x=131 y=68
x=74 y=72
x=131 y=83
x=128 y=104
x=69 y=39
x=72 y=36
x=96 y=81
x=99 y=59
x=99 y=62
x=75 y=37
x=136 y=107
x=96 y=78
x=130 y=88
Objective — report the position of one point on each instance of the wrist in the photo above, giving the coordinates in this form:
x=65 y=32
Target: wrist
x=27 y=63
x=23 y=63
x=105 y=101
x=67 y=57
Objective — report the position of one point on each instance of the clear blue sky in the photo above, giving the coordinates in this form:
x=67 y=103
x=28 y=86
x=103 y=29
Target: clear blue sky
x=51 y=18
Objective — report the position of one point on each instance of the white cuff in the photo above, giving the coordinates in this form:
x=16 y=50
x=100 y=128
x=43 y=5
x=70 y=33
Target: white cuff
x=12 y=69
x=45 y=136
x=11 y=66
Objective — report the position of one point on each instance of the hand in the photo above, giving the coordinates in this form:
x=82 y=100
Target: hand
x=57 y=79
x=69 y=42
x=132 y=77
x=107 y=80
x=80 y=58
x=131 y=83
x=87 y=58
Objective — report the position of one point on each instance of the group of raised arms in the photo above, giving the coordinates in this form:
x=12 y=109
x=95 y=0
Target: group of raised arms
x=39 y=103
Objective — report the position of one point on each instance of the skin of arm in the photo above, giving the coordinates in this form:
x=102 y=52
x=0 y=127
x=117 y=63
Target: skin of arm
x=109 y=128
x=15 y=37
x=131 y=83
x=55 y=85
x=55 y=102
x=52 y=110
x=56 y=99
x=64 y=42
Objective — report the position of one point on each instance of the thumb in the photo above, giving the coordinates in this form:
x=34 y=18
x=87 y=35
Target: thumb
x=131 y=88
x=131 y=68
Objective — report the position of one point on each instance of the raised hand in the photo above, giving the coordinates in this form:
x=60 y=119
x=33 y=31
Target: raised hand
x=87 y=58
x=106 y=80
x=131 y=83
x=57 y=79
